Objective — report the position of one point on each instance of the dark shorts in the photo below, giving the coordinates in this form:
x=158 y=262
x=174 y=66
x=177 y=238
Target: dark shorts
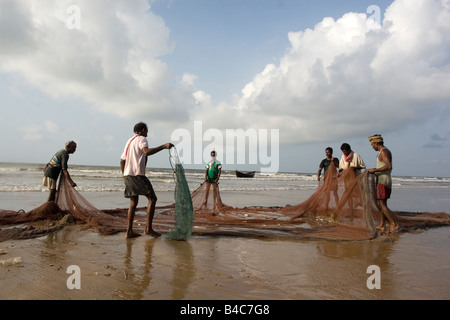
x=383 y=192
x=138 y=186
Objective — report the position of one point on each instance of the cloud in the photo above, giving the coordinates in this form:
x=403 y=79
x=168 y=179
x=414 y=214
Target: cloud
x=349 y=77
x=342 y=78
x=189 y=79
x=112 y=60
x=432 y=145
x=437 y=142
x=40 y=132
x=437 y=137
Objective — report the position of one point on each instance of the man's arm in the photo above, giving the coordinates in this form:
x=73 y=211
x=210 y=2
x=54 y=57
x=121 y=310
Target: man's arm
x=336 y=163
x=357 y=162
x=362 y=165
x=218 y=174
x=385 y=156
x=151 y=151
x=122 y=165
x=341 y=165
x=67 y=176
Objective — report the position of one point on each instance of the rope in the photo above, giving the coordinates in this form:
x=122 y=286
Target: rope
x=174 y=158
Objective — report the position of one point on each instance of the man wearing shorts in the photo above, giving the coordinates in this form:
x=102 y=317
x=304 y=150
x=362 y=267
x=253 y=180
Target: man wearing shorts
x=133 y=162
x=54 y=167
x=384 y=181
x=212 y=176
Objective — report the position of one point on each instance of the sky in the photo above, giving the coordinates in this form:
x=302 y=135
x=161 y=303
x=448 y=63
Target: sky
x=268 y=84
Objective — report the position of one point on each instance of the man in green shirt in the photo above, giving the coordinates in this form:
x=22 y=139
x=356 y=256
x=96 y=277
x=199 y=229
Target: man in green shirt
x=212 y=176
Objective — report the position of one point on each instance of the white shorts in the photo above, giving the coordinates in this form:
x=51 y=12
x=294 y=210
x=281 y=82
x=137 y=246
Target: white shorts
x=49 y=183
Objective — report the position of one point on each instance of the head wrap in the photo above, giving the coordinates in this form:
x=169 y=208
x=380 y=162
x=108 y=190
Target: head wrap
x=377 y=138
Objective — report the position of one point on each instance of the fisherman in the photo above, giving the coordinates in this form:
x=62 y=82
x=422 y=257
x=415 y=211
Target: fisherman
x=331 y=180
x=352 y=163
x=54 y=167
x=132 y=163
x=384 y=181
x=212 y=176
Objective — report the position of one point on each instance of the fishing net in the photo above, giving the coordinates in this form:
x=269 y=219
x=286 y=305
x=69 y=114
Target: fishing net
x=341 y=203
x=206 y=199
x=70 y=207
x=341 y=208
x=70 y=201
x=183 y=213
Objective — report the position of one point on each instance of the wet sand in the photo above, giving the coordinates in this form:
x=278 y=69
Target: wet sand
x=412 y=266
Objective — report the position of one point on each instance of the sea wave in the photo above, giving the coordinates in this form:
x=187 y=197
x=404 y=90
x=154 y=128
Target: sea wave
x=28 y=177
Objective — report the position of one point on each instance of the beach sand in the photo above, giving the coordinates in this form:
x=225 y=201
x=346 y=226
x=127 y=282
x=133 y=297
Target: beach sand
x=411 y=265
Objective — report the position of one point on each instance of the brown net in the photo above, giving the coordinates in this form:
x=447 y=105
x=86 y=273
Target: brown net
x=342 y=208
x=206 y=199
x=341 y=201
x=70 y=201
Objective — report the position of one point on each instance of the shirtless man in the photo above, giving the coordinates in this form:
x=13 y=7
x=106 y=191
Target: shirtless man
x=384 y=181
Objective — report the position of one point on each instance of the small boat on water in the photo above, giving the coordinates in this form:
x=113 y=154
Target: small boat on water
x=245 y=174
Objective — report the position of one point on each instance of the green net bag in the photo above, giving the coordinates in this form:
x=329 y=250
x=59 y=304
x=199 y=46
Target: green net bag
x=184 y=214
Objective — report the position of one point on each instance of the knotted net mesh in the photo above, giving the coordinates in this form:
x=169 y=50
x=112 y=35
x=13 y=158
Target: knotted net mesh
x=342 y=207
x=183 y=212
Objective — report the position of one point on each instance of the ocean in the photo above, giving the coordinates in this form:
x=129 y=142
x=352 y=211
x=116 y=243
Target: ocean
x=410 y=193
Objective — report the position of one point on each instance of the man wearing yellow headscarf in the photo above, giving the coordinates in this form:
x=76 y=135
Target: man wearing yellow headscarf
x=384 y=181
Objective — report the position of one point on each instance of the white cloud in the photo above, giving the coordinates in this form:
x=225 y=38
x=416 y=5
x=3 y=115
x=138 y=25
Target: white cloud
x=189 y=79
x=342 y=78
x=112 y=61
x=40 y=132
x=202 y=98
x=51 y=127
x=32 y=133
x=347 y=77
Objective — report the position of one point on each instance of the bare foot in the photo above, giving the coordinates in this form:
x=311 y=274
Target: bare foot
x=381 y=228
x=152 y=233
x=393 y=228
x=131 y=235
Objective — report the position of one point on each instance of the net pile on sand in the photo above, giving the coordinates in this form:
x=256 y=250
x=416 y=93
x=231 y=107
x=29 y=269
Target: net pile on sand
x=312 y=218
x=342 y=208
x=341 y=204
x=351 y=215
